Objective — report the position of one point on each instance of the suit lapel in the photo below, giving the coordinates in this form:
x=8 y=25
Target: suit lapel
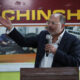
x=63 y=41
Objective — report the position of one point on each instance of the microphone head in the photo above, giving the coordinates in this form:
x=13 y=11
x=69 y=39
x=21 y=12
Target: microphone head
x=49 y=38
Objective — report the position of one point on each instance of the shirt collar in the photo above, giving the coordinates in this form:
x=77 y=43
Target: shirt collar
x=60 y=37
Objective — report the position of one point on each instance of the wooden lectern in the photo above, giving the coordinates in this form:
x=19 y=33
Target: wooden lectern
x=63 y=73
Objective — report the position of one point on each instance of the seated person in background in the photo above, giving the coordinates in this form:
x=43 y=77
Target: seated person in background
x=2 y=41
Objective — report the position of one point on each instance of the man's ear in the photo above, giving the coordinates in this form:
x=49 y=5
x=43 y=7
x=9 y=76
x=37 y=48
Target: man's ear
x=63 y=25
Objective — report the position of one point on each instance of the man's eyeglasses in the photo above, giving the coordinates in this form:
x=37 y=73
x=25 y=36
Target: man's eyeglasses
x=53 y=23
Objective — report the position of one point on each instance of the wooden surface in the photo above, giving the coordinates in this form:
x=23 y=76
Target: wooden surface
x=17 y=58
x=50 y=74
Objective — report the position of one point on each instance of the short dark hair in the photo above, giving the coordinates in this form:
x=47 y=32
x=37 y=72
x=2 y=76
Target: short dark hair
x=62 y=19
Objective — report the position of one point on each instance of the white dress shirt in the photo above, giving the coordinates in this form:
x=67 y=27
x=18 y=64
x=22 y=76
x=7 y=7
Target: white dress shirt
x=47 y=61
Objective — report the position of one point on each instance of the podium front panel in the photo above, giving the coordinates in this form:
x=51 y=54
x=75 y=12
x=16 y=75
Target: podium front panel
x=68 y=73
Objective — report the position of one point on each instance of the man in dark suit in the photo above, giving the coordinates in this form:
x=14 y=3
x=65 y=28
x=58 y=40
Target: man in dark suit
x=63 y=51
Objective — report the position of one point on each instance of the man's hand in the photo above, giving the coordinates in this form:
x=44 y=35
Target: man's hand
x=50 y=49
x=6 y=23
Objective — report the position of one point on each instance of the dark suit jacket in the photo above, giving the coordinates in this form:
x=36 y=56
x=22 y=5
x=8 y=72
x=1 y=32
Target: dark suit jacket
x=68 y=52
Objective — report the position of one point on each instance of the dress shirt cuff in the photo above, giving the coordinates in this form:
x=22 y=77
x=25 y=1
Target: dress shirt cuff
x=9 y=31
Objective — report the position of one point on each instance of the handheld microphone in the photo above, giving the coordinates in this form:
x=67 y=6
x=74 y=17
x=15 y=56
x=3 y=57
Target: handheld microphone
x=49 y=41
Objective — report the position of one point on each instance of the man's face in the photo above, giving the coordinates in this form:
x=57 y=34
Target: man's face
x=54 y=25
